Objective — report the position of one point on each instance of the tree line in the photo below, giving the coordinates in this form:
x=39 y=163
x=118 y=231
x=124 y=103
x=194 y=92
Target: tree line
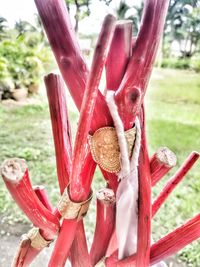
x=182 y=23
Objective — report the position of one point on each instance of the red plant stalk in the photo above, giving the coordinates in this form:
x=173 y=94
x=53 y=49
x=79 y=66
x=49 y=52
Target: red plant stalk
x=62 y=141
x=176 y=240
x=161 y=163
x=175 y=179
x=119 y=54
x=33 y=203
x=166 y=246
x=115 y=69
x=187 y=165
x=86 y=114
x=73 y=68
x=116 y=65
x=143 y=56
x=56 y=22
x=112 y=246
x=63 y=41
x=79 y=255
x=42 y=195
x=105 y=224
x=110 y=178
x=61 y=127
x=80 y=182
x=21 y=259
x=25 y=253
x=55 y=19
x=16 y=177
x=63 y=148
x=144 y=217
x=136 y=77
x=144 y=212
x=112 y=261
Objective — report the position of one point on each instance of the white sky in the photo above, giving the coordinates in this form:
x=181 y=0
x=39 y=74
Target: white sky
x=13 y=10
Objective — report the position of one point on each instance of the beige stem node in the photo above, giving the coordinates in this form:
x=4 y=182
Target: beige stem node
x=73 y=210
x=37 y=240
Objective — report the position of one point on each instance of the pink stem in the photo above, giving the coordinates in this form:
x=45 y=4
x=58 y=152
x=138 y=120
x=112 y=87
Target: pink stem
x=161 y=163
x=63 y=243
x=72 y=65
x=176 y=240
x=80 y=182
x=81 y=145
x=144 y=216
x=63 y=41
x=55 y=18
x=42 y=195
x=143 y=56
x=113 y=246
x=16 y=177
x=111 y=179
x=25 y=254
x=79 y=255
x=63 y=147
x=119 y=54
x=105 y=222
x=115 y=69
x=175 y=179
x=60 y=126
x=166 y=246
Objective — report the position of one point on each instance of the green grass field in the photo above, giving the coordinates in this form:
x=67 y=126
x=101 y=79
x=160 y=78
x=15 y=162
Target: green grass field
x=173 y=113
x=173 y=120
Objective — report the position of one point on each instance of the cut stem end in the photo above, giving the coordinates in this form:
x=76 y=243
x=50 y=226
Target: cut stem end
x=13 y=169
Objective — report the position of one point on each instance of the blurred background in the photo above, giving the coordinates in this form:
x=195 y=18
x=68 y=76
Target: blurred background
x=173 y=107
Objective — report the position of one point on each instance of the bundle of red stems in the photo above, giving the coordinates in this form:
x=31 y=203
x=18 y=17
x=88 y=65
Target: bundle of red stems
x=128 y=65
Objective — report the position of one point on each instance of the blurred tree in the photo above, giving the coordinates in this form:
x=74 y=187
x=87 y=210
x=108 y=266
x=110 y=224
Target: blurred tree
x=3 y=28
x=39 y=28
x=190 y=33
x=182 y=25
x=134 y=13
x=34 y=34
x=122 y=10
x=82 y=9
x=107 y=2
x=23 y=26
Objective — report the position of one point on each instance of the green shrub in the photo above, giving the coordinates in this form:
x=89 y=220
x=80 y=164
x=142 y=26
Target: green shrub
x=14 y=52
x=175 y=63
x=23 y=60
x=6 y=83
x=195 y=63
x=4 y=73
